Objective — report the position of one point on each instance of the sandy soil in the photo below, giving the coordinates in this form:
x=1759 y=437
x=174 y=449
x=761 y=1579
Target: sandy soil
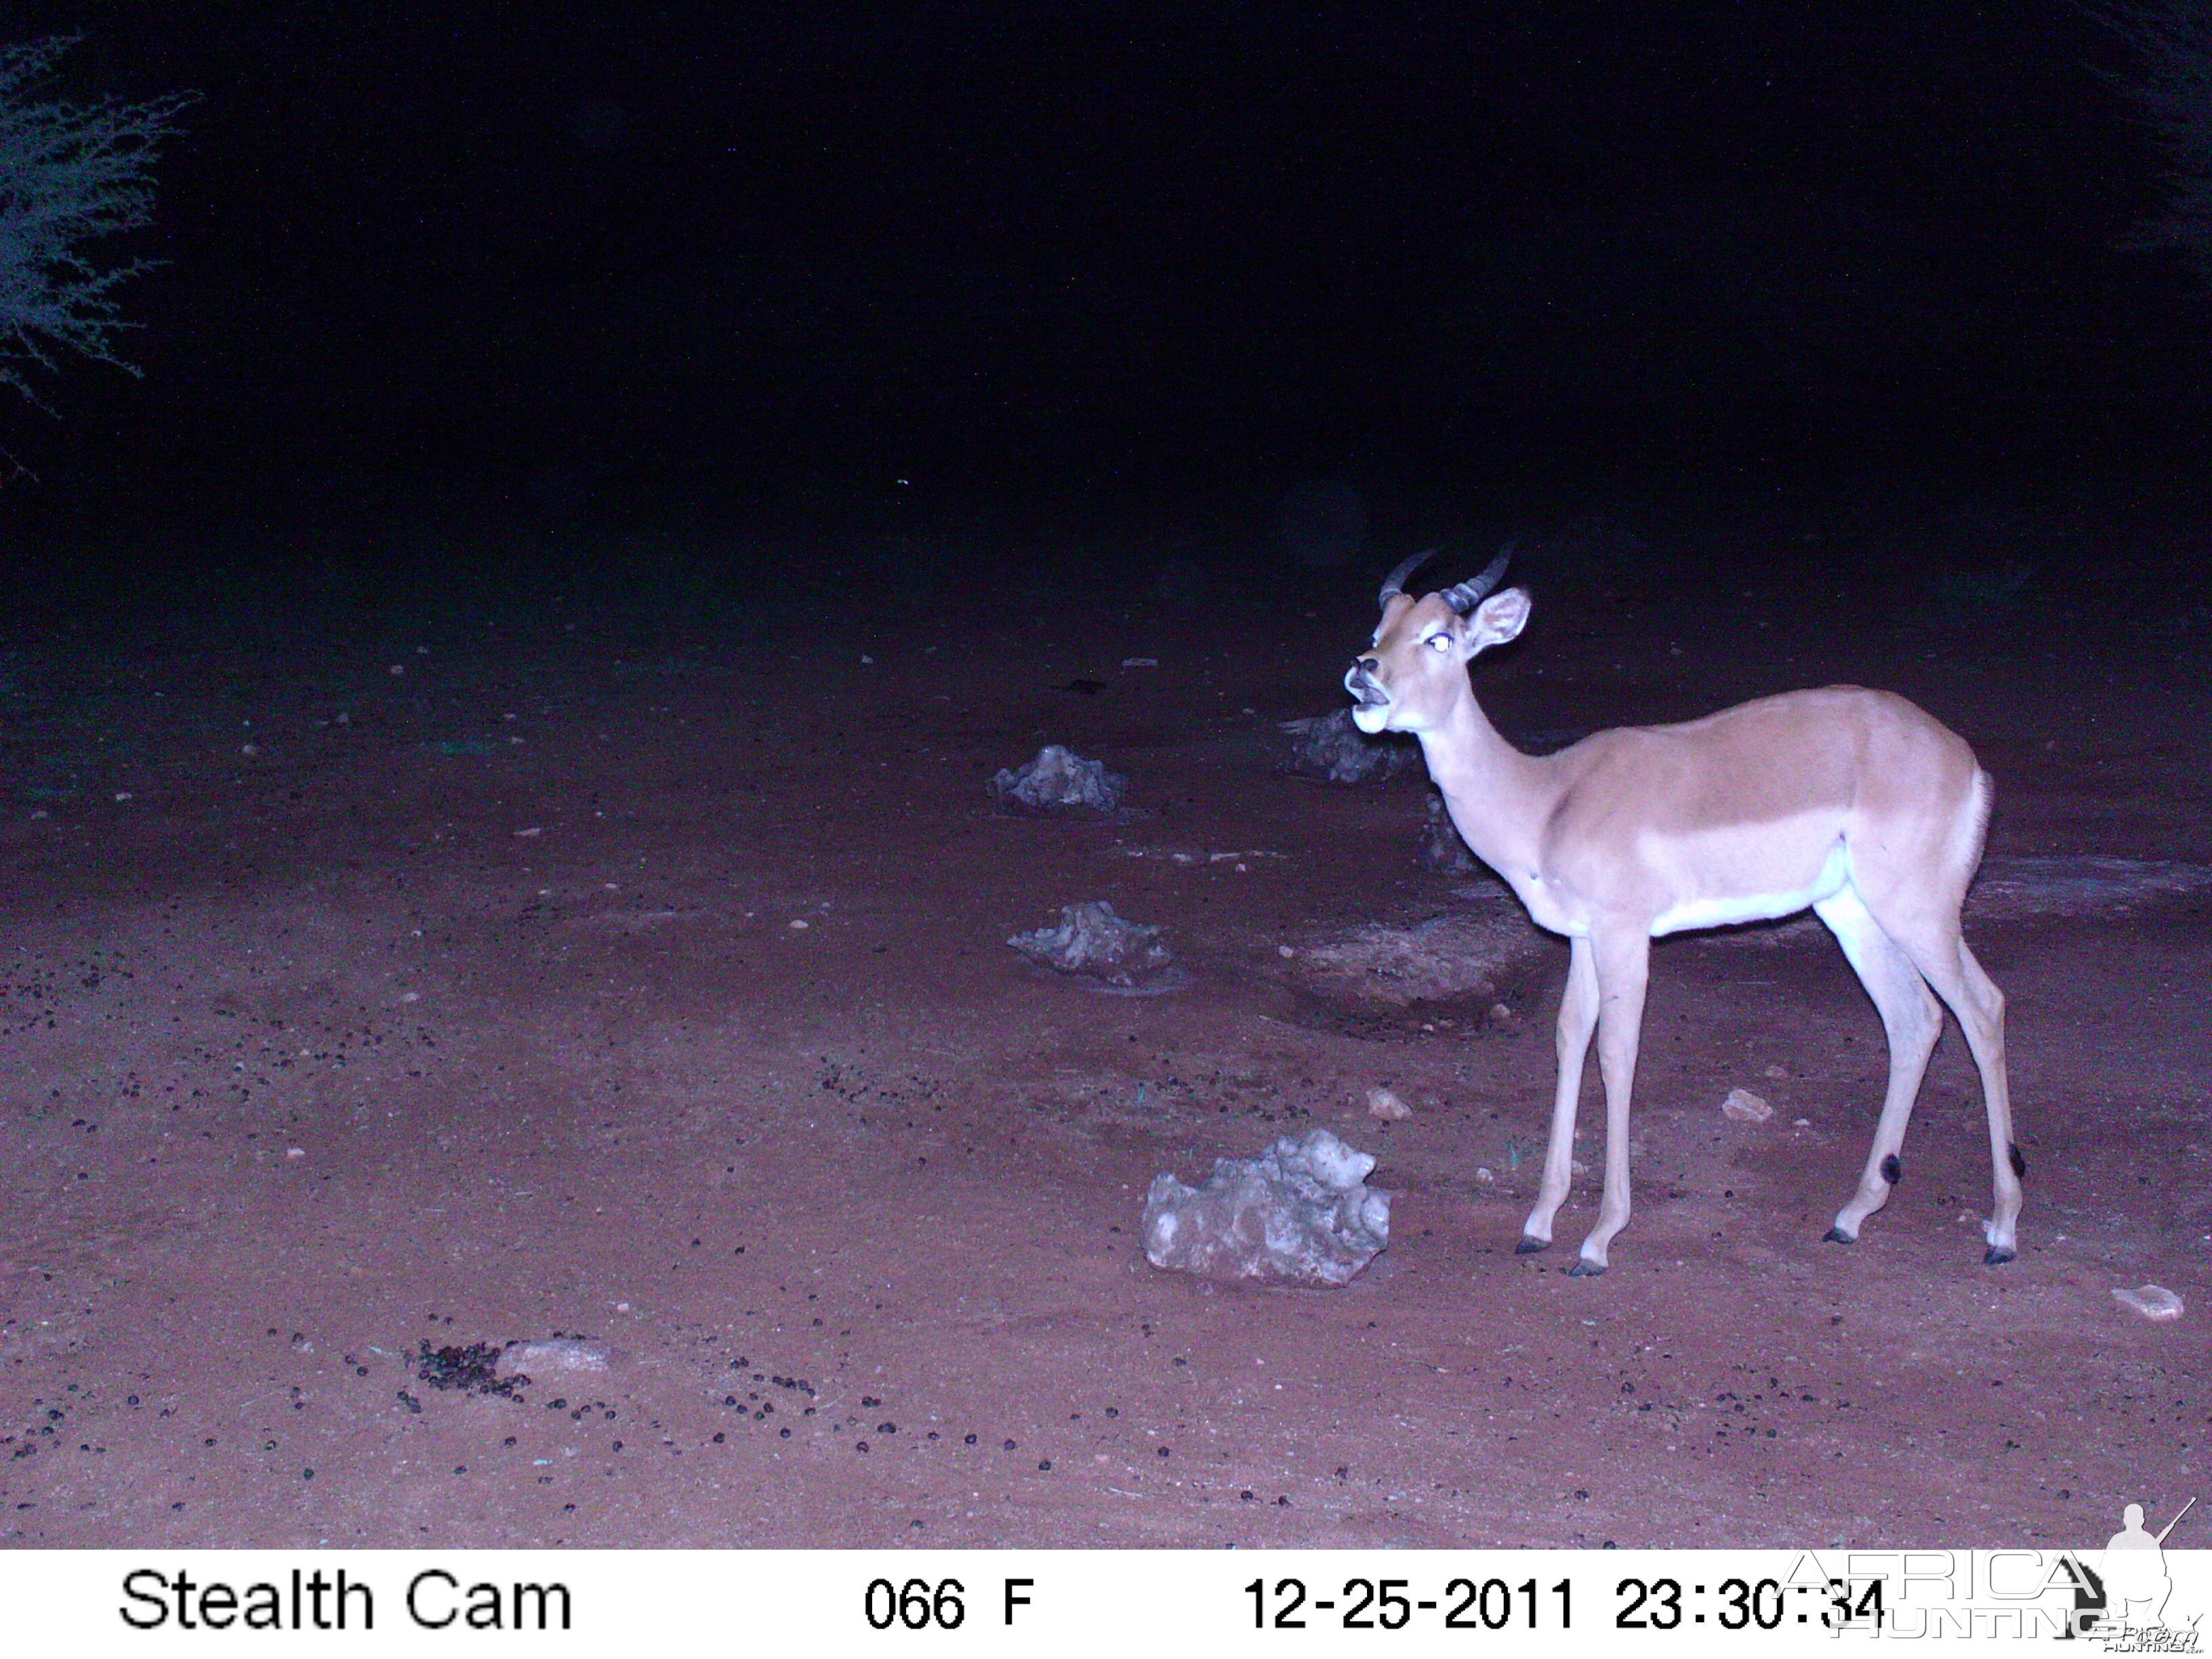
x=460 y=978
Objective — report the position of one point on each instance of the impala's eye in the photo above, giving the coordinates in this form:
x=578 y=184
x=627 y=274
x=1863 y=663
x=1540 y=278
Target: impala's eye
x=1440 y=642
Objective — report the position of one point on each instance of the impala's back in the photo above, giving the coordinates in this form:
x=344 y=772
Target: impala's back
x=1762 y=809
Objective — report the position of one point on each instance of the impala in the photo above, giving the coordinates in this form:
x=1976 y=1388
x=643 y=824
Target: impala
x=1853 y=804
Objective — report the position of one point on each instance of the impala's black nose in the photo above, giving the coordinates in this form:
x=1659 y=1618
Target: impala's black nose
x=1365 y=664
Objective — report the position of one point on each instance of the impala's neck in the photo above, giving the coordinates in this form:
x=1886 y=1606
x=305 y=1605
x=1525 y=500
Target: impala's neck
x=1498 y=797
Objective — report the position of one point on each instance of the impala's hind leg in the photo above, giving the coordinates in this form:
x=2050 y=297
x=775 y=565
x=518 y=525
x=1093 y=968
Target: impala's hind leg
x=1577 y=1020
x=1912 y=1020
x=1950 y=967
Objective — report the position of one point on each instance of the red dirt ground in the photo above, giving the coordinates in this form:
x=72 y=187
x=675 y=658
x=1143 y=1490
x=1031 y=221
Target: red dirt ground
x=486 y=1012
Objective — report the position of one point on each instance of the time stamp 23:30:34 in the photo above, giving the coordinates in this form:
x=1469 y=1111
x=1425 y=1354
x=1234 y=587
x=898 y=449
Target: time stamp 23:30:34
x=1494 y=1604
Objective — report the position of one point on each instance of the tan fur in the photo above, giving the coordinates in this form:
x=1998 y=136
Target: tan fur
x=1853 y=803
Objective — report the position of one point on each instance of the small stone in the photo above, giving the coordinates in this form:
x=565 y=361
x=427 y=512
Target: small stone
x=1384 y=1104
x=1745 y=1107
x=1284 y=951
x=540 y=1359
x=1483 y=1177
x=800 y=927
x=1776 y=1074
x=1576 y=1167
x=2153 y=1302
x=1499 y=1013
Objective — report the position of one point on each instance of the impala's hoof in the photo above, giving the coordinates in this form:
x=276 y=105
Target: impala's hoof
x=1528 y=1246
x=1585 y=1269
x=1838 y=1236
x=1994 y=1257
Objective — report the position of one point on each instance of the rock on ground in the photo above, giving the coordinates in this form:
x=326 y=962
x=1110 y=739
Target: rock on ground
x=1386 y=1105
x=1301 y=1211
x=1440 y=851
x=1455 y=955
x=1059 y=783
x=1330 y=746
x=1745 y=1107
x=1093 y=939
x=2153 y=1302
x=542 y=1358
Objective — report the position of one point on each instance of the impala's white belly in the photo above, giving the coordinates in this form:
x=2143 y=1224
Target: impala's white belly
x=1757 y=900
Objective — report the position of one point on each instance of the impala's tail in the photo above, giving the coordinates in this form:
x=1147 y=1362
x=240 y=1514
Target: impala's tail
x=1973 y=831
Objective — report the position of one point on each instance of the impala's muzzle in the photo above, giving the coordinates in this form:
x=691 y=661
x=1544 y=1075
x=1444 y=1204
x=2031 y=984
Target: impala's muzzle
x=1360 y=682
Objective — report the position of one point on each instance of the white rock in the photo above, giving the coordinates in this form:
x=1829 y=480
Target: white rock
x=558 y=1353
x=1301 y=1211
x=1384 y=1104
x=2153 y=1302
x=1745 y=1107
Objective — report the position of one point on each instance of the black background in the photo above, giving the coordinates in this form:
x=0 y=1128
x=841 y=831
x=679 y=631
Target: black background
x=770 y=262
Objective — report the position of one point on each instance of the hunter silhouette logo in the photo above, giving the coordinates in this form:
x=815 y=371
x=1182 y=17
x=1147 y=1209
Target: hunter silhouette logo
x=2124 y=1597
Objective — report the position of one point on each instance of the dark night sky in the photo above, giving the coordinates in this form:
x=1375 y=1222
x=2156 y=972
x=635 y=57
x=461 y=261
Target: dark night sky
x=987 y=239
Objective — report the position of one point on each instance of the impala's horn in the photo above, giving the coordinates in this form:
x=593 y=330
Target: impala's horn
x=1464 y=597
x=1394 y=583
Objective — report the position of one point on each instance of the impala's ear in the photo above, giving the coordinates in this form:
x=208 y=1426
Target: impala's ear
x=1499 y=618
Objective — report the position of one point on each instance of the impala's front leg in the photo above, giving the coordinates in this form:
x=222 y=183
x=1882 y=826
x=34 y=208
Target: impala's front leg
x=1577 y=1020
x=1623 y=965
